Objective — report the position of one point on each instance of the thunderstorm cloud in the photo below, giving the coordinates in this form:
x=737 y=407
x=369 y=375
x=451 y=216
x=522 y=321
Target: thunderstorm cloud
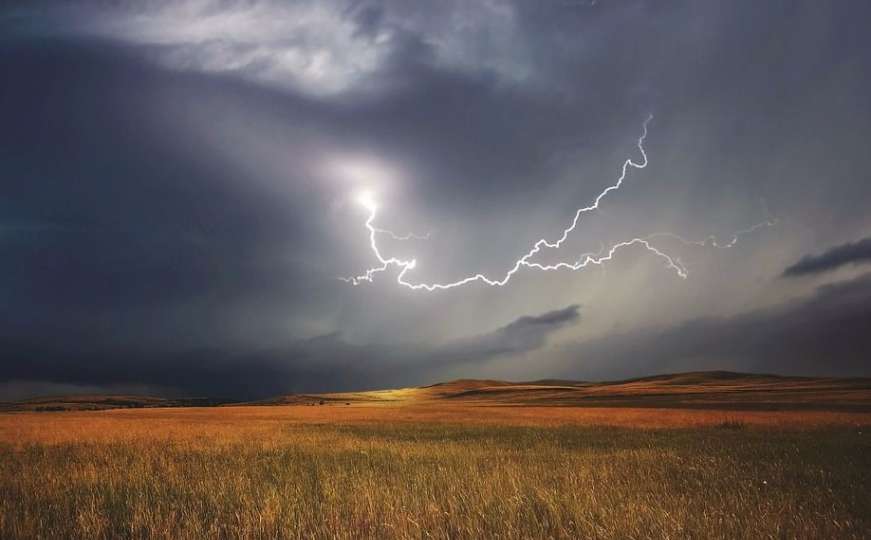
x=182 y=184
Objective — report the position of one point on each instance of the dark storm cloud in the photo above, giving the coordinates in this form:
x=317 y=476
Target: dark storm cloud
x=824 y=334
x=851 y=253
x=323 y=363
x=117 y=220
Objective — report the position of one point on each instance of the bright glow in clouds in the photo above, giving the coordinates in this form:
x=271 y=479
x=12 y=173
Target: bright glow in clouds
x=366 y=199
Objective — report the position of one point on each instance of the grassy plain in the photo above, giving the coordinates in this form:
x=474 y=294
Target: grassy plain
x=690 y=455
x=437 y=469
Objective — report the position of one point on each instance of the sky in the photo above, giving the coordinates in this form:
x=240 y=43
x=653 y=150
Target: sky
x=184 y=183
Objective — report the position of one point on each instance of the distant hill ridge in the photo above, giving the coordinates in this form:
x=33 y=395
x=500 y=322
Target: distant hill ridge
x=701 y=389
x=93 y=402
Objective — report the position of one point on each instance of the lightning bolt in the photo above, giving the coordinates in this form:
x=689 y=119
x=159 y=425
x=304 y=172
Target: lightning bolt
x=524 y=261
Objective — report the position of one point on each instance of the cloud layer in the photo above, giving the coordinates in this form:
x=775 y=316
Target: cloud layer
x=326 y=362
x=320 y=48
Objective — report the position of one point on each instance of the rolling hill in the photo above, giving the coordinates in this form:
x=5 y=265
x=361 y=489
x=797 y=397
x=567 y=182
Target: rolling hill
x=708 y=390
x=716 y=389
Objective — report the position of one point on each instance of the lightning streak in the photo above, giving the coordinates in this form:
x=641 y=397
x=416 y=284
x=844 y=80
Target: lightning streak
x=409 y=236
x=713 y=240
x=583 y=261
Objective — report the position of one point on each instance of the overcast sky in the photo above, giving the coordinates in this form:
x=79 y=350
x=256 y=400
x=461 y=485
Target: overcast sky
x=182 y=180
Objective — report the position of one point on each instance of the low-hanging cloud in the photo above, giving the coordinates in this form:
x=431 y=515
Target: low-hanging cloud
x=522 y=335
x=831 y=259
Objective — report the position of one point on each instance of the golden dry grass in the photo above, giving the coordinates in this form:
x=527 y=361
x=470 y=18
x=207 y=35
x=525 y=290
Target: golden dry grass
x=246 y=422
x=434 y=470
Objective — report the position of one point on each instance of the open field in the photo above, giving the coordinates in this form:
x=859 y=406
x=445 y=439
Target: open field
x=430 y=469
x=656 y=457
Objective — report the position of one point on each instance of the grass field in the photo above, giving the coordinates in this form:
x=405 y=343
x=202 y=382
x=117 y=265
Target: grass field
x=440 y=470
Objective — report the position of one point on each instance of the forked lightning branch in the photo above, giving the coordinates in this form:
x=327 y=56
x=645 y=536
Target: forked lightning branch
x=406 y=266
